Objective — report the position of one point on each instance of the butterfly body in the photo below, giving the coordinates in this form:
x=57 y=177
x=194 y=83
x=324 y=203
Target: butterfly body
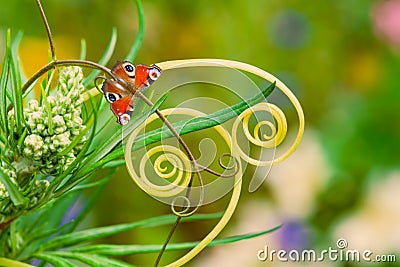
x=122 y=96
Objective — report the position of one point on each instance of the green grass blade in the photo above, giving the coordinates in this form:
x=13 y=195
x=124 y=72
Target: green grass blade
x=15 y=195
x=92 y=260
x=3 y=86
x=91 y=234
x=104 y=59
x=131 y=56
x=40 y=234
x=98 y=183
x=75 y=141
x=82 y=55
x=119 y=250
x=101 y=185
x=17 y=100
x=45 y=102
x=4 y=262
x=54 y=260
x=15 y=46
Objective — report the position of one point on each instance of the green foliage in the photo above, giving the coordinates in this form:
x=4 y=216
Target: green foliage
x=50 y=150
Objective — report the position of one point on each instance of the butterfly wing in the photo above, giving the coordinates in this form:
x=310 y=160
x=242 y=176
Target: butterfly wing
x=145 y=75
x=122 y=102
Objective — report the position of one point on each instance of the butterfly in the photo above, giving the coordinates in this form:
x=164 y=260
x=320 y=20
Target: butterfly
x=122 y=98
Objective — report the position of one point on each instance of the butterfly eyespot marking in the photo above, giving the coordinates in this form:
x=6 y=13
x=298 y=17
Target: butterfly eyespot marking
x=130 y=69
x=112 y=97
x=154 y=73
x=124 y=119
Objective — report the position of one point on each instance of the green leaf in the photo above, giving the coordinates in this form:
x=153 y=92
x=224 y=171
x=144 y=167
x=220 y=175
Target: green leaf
x=114 y=164
x=17 y=97
x=4 y=262
x=93 y=260
x=104 y=59
x=119 y=250
x=16 y=92
x=49 y=221
x=91 y=201
x=75 y=141
x=45 y=92
x=91 y=234
x=5 y=74
x=131 y=56
x=16 y=196
x=98 y=183
x=82 y=56
x=15 y=46
x=54 y=260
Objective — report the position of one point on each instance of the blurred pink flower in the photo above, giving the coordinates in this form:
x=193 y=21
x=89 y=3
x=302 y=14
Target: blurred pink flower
x=386 y=20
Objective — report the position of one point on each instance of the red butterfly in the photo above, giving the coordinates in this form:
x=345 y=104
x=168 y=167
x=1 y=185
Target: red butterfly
x=122 y=98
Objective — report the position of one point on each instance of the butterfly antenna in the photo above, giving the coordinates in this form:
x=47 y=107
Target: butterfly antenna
x=49 y=35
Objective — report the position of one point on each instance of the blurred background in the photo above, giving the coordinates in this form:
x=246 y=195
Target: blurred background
x=340 y=58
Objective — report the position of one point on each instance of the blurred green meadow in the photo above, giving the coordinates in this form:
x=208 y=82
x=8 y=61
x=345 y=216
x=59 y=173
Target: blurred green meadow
x=340 y=58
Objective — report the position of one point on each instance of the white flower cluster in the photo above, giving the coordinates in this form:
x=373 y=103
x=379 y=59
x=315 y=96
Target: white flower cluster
x=51 y=134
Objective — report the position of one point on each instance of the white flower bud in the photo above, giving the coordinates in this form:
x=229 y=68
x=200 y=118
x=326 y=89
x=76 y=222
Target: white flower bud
x=31 y=123
x=33 y=104
x=37 y=116
x=62 y=139
x=78 y=120
x=40 y=127
x=60 y=129
x=52 y=101
x=28 y=151
x=58 y=120
x=74 y=131
x=34 y=141
x=11 y=112
x=67 y=116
